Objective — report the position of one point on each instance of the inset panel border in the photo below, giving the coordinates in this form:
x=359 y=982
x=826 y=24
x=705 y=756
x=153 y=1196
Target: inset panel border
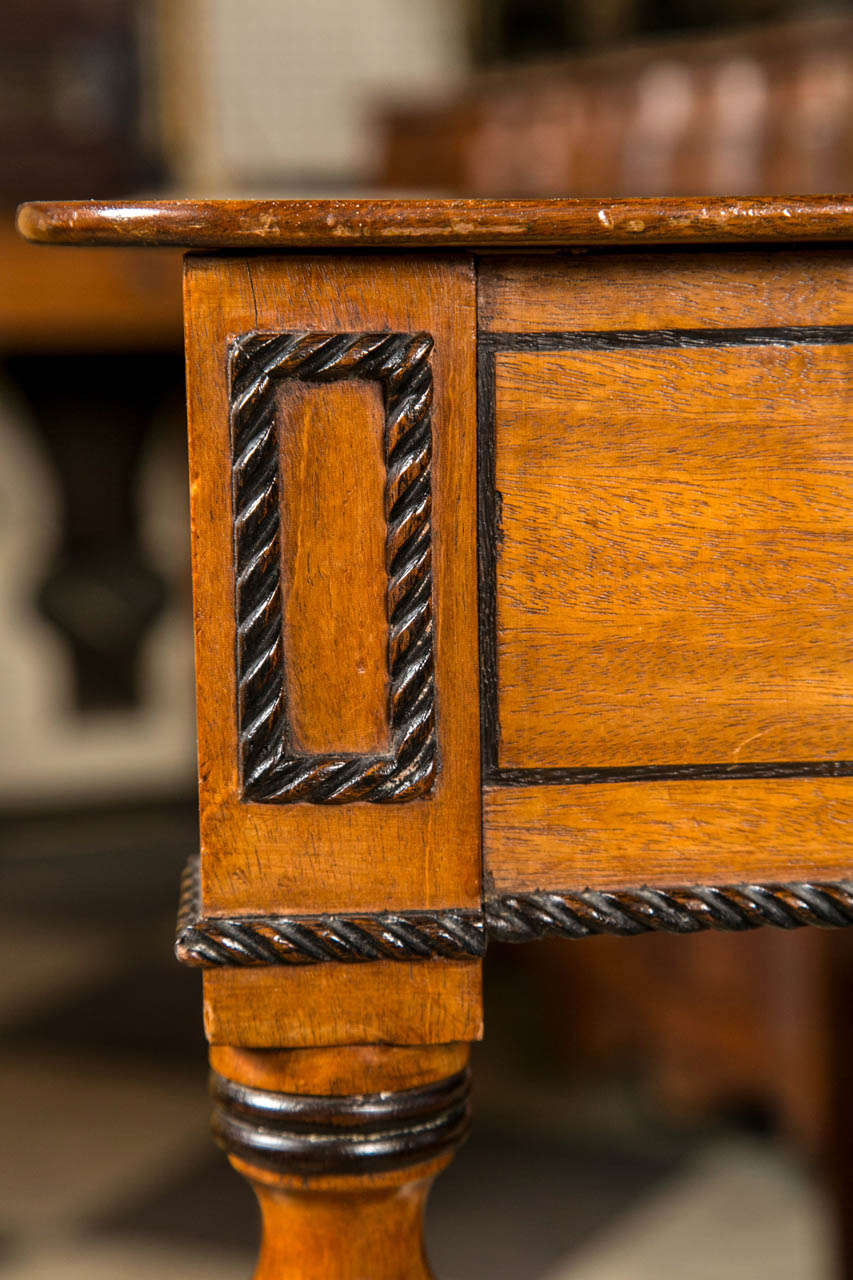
x=269 y=770
x=489 y=533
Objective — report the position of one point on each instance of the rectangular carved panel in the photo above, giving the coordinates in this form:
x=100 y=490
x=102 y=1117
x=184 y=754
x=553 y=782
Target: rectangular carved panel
x=272 y=768
x=370 y=359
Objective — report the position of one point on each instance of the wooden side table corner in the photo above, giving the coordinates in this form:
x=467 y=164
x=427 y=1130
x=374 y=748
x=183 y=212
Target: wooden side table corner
x=519 y=557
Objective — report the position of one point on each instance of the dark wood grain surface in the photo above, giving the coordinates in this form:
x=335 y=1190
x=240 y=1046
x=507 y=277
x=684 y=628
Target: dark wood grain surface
x=395 y=224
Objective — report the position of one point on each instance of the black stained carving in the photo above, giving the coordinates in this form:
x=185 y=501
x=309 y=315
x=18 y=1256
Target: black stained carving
x=269 y=770
x=350 y=937
x=688 y=909
x=216 y=941
x=309 y=1134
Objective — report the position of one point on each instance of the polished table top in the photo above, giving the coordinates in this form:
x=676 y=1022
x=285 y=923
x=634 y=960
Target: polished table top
x=391 y=224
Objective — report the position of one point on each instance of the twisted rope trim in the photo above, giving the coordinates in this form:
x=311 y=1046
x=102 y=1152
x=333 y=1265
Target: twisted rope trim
x=693 y=909
x=400 y=362
x=213 y=942
x=453 y=935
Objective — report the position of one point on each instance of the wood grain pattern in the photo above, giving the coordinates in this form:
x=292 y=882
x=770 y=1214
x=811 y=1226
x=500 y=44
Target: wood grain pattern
x=617 y=834
x=309 y=858
x=333 y=567
x=384 y=1002
x=669 y=290
x=343 y=1226
x=361 y=1068
x=341 y=224
x=673 y=576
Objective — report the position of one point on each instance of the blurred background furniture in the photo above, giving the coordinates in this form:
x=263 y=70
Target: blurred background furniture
x=768 y=109
x=94 y=617
x=100 y=97
x=96 y=638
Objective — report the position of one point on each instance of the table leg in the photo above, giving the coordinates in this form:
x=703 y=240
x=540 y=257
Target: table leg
x=341 y=1146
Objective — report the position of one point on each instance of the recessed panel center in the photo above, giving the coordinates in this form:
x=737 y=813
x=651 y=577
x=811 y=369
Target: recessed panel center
x=334 y=579
x=673 y=571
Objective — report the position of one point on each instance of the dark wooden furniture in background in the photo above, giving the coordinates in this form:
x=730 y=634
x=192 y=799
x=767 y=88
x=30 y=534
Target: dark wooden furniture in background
x=520 y=610
x=79 y=115
x=75 y=335
x=76 y=109
x=768 y=108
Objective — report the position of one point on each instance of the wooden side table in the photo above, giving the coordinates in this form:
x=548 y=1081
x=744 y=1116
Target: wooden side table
x=522 y=608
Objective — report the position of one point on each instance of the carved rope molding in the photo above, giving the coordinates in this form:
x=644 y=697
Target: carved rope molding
x=400 y=362
x=215 y=941
x=447 y=934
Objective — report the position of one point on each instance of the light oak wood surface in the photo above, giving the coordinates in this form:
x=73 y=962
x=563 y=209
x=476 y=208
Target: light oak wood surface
x=617 y=834
x=343 y=1228
x=361 y=1068
x=673 y=289
x=333 y=558
x=673 y=581
x=384 y=1002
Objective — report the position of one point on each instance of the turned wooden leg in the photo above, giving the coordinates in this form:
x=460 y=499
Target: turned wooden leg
x=341 y=1147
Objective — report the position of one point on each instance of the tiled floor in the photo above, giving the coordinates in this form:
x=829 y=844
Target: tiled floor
x=106 y=1168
